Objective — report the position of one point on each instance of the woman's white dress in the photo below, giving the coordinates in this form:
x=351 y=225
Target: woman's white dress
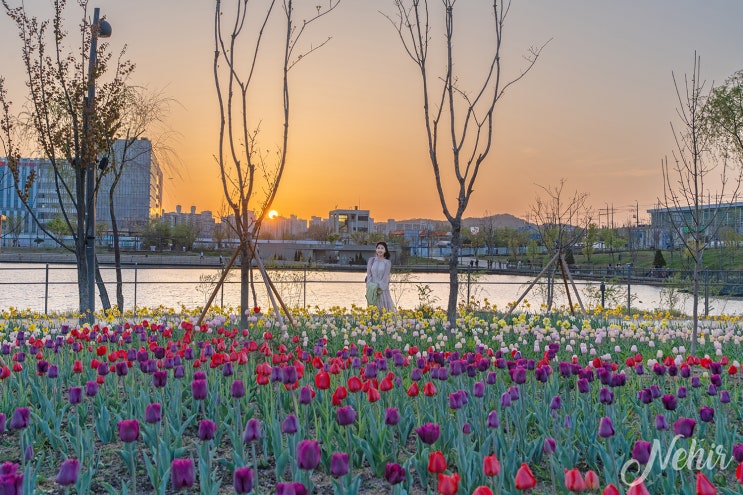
x=378 y=271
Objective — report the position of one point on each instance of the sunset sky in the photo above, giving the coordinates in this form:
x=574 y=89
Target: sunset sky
x=595 y=110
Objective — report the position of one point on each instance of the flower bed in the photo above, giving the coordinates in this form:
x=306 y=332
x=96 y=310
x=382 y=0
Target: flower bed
x=357 y=402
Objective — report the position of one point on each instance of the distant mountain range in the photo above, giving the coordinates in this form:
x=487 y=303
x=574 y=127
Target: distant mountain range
x=499 y=221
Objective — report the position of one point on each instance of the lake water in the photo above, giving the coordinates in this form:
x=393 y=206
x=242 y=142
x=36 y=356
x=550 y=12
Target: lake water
x=31 y=286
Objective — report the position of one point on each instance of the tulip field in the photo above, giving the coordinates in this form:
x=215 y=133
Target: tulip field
x=351 y=401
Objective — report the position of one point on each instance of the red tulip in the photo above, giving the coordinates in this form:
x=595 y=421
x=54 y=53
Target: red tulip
x=705 y=486
x=448 y=484
x=354 y=384
x=413 y=390
x=611 y=490
x=322 y=380
x=436 y=462
x=592 y=480
x=482 y=490
x=739 y=473
x=638 y=489
x=429 y=389
x=491 y=465
x=574 y=481
x=525 y=479
x=373 y=395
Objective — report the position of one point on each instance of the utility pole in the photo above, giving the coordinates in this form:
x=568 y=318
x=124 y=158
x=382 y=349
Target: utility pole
x=102 y=29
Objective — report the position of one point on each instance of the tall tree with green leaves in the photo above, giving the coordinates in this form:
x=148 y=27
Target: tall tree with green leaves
x=458 y=118
x=62 y=123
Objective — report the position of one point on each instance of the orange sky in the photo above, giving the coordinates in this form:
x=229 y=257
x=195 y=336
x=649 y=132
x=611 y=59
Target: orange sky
x=595 y=110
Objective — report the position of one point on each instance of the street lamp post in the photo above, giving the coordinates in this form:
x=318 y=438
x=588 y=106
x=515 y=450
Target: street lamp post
x=102 y=29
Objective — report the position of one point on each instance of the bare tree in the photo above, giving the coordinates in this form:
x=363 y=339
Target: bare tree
x=561 y=222
x=251 y=175
x=61 y=121
x=142 y=114
x=465 y=116
x=692 y=210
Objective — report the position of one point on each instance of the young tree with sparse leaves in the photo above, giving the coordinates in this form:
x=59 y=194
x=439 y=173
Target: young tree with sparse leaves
x=458 y=119
x=687 y=180
x=251 y=175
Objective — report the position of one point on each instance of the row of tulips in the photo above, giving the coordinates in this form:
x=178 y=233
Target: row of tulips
x=314 y=411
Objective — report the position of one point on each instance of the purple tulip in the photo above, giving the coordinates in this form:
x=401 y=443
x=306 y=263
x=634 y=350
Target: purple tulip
x=182 y=473
x=695 y=382
x=159 y=378
x=542 y=374
x=305 y=395
x=466 y=428
x=659 y=369
x=198 y=389
x=493 y=421
x=346 y=415
x=252 y=431
x=641 y=451
x=567 y=423
x=724 y=396
x=179 y=371
x=738 y=452
x=513 y=391
x=291 y=488
x=684 y=427
x=11 y=482
x=655 y=391
x=207 y=429
x=556 y=402
x=518 y=375
x=505 y=400
x=394 y=473
x=288 y=375
x=669 y=402
x=339 y=464
x=478 y=389
x=716 y=380
x=53 y=371
x=706 y=414
x=68 y=472
x=645 y=396
x=685 y=372
x=583 y=386
x=128 y=430
x=238 y=389
x=20 y=418
x=428 y=433
x=290 y=425
x=91 y=388
x=606 y=396
x=565 y=369
x=153 y=413
x=75 y=395
x=712 y=390
x=681 y=393
x=606 y=428
x=549 y=446
x=491 y=378
x=660 y=422
x=308 y=454
x=122 y=369
x=391 y=416
x=243 y=480
x=639 y=369
x=28 y=454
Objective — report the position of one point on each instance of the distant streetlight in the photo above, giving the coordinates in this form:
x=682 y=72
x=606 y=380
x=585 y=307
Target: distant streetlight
x=102 y=29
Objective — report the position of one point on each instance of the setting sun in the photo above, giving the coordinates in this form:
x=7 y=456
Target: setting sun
x=273 y=214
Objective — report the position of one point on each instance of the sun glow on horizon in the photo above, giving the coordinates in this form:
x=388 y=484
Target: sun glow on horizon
x=273 y=214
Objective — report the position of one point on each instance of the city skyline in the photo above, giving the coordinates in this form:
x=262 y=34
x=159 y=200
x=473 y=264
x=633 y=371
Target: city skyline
x=595 y=110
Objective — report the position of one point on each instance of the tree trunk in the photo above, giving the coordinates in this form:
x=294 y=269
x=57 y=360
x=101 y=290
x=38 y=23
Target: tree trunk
x=245 y=262
x=456 y=240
